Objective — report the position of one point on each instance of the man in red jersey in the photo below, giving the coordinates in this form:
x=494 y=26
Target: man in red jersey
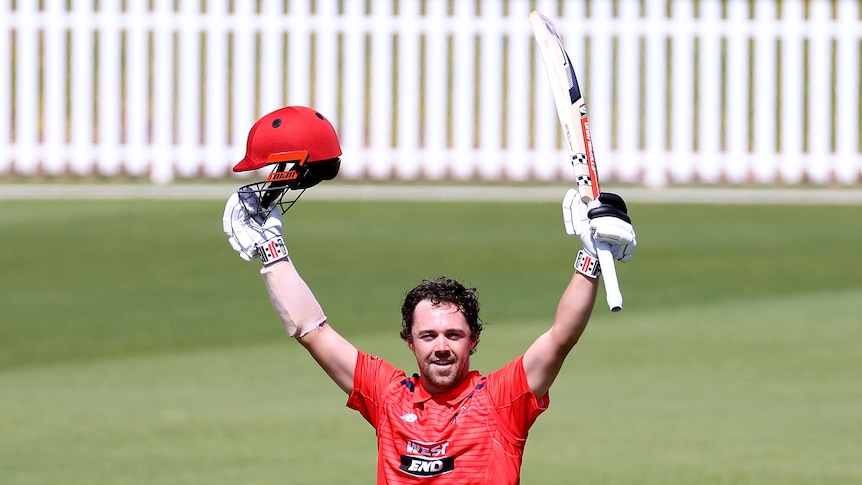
x=446 y=424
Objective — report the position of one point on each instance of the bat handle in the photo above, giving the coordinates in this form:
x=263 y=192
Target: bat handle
x=609 y=275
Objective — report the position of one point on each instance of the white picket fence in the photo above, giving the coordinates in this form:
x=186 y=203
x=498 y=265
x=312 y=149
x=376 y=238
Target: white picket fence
x=678 y=91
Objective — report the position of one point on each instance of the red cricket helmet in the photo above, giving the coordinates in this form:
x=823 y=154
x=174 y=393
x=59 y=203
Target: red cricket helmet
x=302 y=145
x=291 y=129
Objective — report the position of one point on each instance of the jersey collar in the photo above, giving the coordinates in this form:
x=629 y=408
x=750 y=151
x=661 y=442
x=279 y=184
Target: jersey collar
x=451 y=397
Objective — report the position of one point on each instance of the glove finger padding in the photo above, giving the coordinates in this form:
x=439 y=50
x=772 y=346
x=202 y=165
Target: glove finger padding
x=612 y=230
x=613 y=200
x=229 y=210
x=618 y=234
x=232 y=224
x=576 y=221
x=244 y=253
x=571 y=216
x=608 y=211
x=611 y=224
x=245 y=235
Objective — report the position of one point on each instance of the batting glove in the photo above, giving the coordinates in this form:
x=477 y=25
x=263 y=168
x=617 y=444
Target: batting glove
x=611 y=224
x=607 y=221
x=248 y=237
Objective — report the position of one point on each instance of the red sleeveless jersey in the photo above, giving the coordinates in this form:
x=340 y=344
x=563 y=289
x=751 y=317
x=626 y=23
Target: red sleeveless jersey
x=473 y=434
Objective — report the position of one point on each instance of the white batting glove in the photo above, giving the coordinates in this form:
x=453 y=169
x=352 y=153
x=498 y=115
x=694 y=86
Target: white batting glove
x=248 y=237
x=604 y=221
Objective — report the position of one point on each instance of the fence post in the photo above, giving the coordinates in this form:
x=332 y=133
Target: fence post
x=137 y=86
x=436 y=142
x=820 y=160
x=847 y=124
x=597 y=66
x=242 y=31
x=381 y=164
x=792 y=133
x=735 y=160
x=708 y=135
x=408 y=108
x=189 y=92
x=682 y=106
x=26 y=127
x=215 y=109
x=653 y=166
x=54 y=155
x=7 y=63
x=353 y=120
x=109 y=22
x=765 y=117
x=81 y=70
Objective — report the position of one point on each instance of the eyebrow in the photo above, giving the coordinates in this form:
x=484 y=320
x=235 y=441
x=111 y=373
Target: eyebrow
x=447 y=331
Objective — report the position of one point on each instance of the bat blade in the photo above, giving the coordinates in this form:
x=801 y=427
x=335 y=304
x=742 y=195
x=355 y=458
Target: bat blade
x=570 y=105
x=572 y=113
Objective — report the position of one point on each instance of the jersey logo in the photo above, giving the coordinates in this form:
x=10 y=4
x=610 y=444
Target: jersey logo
x=432 y=450
x=426 y=467
x=409 y=418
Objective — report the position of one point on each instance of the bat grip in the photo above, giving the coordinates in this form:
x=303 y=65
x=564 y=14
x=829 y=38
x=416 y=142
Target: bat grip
x=609 y=276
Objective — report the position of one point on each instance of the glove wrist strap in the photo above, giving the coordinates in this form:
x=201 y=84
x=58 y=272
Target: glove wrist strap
x=587 y=265
x=272 y=250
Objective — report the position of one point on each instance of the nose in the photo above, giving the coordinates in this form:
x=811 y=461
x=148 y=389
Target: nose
x=441 y=346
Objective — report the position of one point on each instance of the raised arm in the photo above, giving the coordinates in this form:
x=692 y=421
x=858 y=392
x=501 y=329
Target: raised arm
x=607 y=223
x=303 y=318
x=293 y=301
x=545 y=357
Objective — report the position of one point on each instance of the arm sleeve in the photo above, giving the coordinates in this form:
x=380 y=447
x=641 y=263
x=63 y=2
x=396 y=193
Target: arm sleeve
x=517 y=407
x=371 y=378
x=293 y=301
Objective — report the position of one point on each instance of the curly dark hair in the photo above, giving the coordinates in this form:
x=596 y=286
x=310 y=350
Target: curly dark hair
x=442 y=290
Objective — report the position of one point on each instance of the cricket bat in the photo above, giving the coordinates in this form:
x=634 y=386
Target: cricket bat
x=572 y=112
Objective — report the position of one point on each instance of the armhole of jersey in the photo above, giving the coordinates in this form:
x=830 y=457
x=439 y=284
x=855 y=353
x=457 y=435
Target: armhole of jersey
x=516 y=424
x=369 y=388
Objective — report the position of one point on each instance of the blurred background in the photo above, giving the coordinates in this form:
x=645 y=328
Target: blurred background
x=678 y=91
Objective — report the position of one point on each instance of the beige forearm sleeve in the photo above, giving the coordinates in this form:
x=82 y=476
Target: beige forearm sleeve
x=292 y=299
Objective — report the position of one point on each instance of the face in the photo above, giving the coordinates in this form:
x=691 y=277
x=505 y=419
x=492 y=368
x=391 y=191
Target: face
x=441 y=343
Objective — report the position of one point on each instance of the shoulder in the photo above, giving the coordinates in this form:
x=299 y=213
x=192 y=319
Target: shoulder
x=376 y=368
x=517 y=407
x=513 y=369
x=375 y=377
x=509 y=382
x=374 y=382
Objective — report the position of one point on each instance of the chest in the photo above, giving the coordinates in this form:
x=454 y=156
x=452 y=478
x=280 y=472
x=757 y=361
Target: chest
x=435 y=429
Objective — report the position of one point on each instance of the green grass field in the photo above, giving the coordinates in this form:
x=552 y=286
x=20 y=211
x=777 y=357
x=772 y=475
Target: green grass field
x=136 y=347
